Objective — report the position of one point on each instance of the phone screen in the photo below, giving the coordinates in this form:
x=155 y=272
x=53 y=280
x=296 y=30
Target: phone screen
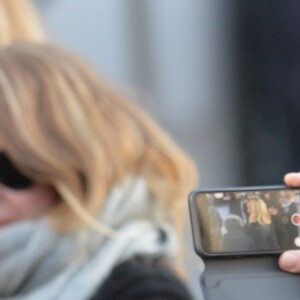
x=247 y=221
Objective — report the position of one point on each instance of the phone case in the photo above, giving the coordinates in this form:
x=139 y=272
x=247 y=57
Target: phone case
x=240 y=276
x=196 y=224
x=256 y=278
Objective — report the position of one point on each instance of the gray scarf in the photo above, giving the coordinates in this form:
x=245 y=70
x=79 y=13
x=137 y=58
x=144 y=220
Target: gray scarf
x=37 y=262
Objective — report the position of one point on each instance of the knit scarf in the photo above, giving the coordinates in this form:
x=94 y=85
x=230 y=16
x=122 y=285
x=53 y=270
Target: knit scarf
x=37 y=262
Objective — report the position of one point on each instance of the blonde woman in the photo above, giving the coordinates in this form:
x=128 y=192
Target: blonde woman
x=19 y=21
x=92 y=191
x=259 y=224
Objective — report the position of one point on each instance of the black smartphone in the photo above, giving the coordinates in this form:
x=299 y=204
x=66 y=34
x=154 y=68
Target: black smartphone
x=239 y=232
x=245 y=221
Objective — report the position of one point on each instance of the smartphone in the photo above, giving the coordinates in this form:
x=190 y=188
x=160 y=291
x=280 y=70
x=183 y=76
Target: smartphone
x=247 y=221
x=239 y=232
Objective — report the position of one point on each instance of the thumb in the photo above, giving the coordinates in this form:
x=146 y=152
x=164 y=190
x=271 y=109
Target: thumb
x=289 y=261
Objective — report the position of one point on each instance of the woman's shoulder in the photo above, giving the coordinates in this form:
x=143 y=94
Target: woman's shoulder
x=142 y=279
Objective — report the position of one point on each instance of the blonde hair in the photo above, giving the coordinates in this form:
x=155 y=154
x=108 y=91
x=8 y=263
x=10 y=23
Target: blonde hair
x=259 y=212
x=19 y=22
x=65 y=126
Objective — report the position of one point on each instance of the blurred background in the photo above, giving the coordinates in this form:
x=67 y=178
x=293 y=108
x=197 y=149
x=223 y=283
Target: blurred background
x=219 y=76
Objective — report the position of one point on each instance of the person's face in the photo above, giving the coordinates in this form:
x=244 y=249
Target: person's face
x=273 y=211
x=26 y=204
x=21 y=200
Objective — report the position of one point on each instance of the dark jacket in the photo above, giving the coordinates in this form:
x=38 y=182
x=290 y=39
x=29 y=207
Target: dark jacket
x=264 y=236
x=237 y=240
x=142 y=279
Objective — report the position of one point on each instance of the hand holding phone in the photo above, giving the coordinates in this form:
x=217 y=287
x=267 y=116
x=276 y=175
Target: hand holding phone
x=245 y=221
x=239 y=233
x=290 y=260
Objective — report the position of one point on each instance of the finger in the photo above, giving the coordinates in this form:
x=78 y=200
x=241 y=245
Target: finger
x=289 y=261
x=292 y=179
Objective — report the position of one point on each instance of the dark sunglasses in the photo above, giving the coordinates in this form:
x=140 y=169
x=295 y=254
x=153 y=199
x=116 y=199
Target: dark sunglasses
x=10 y=176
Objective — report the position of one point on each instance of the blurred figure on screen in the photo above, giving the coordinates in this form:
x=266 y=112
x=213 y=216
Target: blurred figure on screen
x=236 y=239
x=259 y=225
x=287 y=208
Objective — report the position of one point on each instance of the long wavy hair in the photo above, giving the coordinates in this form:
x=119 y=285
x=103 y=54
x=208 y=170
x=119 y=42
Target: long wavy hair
x=258 y=212
x=19 y=21
x=63 y=125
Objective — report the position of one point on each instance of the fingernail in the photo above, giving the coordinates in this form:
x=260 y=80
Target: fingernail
x=289 y=261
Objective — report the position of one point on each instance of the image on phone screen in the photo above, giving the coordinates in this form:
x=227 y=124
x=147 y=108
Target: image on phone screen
x=248 y=221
